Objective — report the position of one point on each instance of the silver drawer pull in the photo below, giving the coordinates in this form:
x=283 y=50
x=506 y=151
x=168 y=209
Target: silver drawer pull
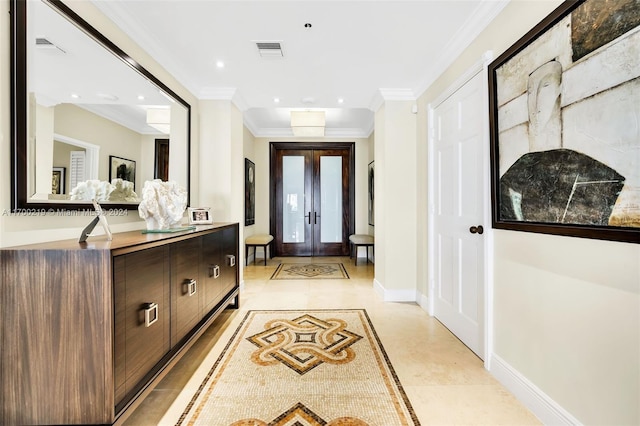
x=214 y=271
x=150 y=314
x=192 y=287
x=231 y=260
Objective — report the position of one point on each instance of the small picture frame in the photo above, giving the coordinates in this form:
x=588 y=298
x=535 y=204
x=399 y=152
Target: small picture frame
x=200 y=216
x=121 y=168
x=58 y=180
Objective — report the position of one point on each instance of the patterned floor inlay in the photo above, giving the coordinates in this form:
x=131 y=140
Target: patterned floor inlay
x=304 y=343
x=297 y=271
x=299 y=415
x=310 y=368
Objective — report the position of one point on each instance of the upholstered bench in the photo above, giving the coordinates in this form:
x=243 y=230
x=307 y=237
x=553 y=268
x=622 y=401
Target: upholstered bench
x=357 y=240
x=259 y=240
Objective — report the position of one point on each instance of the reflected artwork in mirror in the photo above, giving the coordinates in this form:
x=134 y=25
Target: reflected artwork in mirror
x=78 y=101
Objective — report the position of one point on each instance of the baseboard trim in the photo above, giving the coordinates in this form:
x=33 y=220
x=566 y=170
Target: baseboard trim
x=394 y=295
x=423 y=302
x=541 y=405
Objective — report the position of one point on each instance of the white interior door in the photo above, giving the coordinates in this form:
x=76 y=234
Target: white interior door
x=458 y=213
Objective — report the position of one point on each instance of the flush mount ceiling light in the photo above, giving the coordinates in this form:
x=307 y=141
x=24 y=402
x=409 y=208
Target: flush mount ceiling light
x=307 y=123
x=159 y=119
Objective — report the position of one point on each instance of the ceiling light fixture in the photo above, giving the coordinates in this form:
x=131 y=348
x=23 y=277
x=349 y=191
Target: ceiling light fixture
x=159 y=119
x=220 y=64
x=276 y=100
x=340 y=100
x=307 y=123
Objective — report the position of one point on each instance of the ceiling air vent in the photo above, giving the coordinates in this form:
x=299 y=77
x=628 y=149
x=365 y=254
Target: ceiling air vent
x=269 y=49
x=43 y=43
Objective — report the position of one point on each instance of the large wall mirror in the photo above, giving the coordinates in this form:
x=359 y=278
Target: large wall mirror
x=87 y=120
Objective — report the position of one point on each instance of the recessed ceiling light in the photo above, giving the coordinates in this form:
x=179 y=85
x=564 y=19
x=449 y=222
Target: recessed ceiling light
x=75 y=96
x=340 y=100
x=141 y=97
x=276 y=100
x=219 y=64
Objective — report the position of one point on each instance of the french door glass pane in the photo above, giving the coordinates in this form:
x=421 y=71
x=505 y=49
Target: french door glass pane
x=293 y=199
x=331 y=201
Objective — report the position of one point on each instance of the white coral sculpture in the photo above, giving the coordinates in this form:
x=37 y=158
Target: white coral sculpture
x=123 y=191
x=163 y=204
x=92 y=189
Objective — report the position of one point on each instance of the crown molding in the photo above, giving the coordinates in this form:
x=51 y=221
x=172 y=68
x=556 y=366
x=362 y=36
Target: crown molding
x=397 y=94
x=484 y=14
x=383 y=95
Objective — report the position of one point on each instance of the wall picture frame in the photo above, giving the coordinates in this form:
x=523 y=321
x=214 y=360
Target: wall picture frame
x=122 y=168
x=561 y=160
x=58 y=180
x=249 y=192
x=200 y=216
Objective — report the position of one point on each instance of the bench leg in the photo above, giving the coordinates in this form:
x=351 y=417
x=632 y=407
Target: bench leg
x=264 y=248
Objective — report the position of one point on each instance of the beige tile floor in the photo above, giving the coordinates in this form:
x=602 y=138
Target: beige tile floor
x=445 y=382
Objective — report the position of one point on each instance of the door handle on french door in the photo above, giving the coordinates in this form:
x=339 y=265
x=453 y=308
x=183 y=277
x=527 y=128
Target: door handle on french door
x=308 y=216
x=315 y=218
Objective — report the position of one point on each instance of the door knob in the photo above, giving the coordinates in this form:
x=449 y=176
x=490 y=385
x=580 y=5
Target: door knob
x=476 y=229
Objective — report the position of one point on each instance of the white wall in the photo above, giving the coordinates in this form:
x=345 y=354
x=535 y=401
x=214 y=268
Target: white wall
x=396 y=201
x=113 y=139
x=566 y=310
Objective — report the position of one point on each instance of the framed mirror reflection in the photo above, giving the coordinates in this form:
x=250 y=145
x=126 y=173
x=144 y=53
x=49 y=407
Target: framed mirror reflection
x=78 y=100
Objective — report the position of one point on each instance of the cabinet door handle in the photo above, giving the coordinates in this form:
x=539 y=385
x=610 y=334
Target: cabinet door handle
x=214 y=271
x=231 y=260
x=150 y=314
x=192 y=287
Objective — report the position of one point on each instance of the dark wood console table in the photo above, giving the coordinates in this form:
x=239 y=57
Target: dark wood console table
x=87 y=329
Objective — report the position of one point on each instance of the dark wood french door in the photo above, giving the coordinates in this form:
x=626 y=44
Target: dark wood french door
x=312 y=207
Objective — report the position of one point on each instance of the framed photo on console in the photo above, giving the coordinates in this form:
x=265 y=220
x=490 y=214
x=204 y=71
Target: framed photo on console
x=200 y=216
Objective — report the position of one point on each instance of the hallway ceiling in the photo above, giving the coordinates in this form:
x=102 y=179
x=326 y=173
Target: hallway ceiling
x=359 y=51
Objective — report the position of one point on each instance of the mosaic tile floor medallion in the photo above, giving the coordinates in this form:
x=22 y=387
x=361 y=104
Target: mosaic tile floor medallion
x=298 y=271
x=302 y=368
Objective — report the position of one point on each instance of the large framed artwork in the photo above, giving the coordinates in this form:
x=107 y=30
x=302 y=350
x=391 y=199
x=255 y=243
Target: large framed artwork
x=249 y=192
x=564 y=106
x=371 y=175
x=121 y=168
